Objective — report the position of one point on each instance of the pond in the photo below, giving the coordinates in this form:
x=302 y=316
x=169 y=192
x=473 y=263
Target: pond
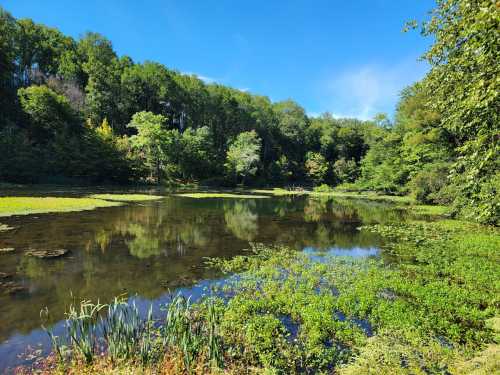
x=149 y=249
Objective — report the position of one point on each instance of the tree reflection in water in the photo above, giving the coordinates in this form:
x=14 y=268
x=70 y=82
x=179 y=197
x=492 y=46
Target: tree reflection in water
x=140 y=248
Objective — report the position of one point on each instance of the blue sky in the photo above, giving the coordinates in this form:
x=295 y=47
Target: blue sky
x=349 y=58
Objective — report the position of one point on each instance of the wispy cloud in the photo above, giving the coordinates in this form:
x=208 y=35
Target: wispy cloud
x=313 y=114
x=366 y=90
x=205 y=79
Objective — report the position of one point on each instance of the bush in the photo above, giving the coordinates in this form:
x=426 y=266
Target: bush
x=346 y=170
x=427 y=183
x=323 y=188
x=316 y=167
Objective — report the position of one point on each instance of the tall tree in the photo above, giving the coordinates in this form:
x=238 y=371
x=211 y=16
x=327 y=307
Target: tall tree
x=466 y=92
x=7 y=67
x=149 y=141
x=243 y=155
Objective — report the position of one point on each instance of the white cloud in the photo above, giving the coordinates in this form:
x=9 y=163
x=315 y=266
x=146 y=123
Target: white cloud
x=205 y=79
x=313 y=114
x=366 y=90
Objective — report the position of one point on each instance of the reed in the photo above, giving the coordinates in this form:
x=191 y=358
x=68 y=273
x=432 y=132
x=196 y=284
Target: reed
x=118 y=331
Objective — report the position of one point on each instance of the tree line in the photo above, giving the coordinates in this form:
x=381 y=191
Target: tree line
x=74 y=111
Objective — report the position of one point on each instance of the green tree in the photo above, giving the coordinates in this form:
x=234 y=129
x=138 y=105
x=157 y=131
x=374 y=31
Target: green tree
x=196 y=154
x=7 y=65
x=345 y=170
x=49 y=114
x=466 y=92
x=316 y=167
x=149 y=141
x=243 y=155
x=382 y=168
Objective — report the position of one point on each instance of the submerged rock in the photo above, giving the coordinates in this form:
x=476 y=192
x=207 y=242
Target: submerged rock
x=4 y=227
x=17 y=289
x=4 y=275
x=11 y=287
x=178 y=283
x=47 y=254
x=6 y=250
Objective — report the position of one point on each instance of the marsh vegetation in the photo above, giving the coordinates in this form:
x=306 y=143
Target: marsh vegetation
x=242 y=235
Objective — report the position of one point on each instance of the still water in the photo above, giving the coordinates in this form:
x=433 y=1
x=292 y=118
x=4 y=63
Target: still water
x=150 y=248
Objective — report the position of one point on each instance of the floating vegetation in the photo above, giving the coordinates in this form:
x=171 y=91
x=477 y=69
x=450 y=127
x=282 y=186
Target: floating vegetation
x=127 y=197
x=285 y=312
x=222 y=195
x=35 y=205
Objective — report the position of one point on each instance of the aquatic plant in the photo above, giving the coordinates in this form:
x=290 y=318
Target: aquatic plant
x=124 y=330
x=428 y=305
x=127 y=197
x=35 y=205
x=195 y=335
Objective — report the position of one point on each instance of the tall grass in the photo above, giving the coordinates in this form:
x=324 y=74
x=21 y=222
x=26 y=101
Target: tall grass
x=118 y=331
x=196 y=336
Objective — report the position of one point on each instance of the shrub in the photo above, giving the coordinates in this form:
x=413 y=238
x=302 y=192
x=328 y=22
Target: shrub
x=323 y=188
x=428 y=182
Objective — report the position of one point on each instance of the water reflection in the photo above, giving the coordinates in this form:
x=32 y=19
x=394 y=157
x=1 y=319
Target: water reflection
x=146 y=248
x=241 y=218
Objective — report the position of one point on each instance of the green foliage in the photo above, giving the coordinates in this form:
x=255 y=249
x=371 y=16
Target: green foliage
x=323 y=188
x=345 y=170
x=316 y=167
x=383 y=169
x=465 y=91
x=429 y=304
x=49 y=113
x=7 y=64
x=426 y=185
x=243 y=155
x=450 y=118
x=150 y=141
x=197 y=151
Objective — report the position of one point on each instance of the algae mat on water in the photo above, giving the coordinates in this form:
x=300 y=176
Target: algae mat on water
x=37 y=205
x=127 y=197
x=221 y=195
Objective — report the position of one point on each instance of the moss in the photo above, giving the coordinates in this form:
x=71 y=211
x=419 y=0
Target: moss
x=221 y=195
x=127 y=197
x=278 y=192
x=36 y=205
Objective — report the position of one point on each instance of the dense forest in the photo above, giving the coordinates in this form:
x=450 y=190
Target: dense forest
x=73 y=111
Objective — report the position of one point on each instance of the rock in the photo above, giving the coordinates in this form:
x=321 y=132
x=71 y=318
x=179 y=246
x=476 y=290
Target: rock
x=4 y=227
x=47 y=254
x=6 y=250
x=4 y=275
x=17 y=289
x=10 y=287
x=181 y=281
